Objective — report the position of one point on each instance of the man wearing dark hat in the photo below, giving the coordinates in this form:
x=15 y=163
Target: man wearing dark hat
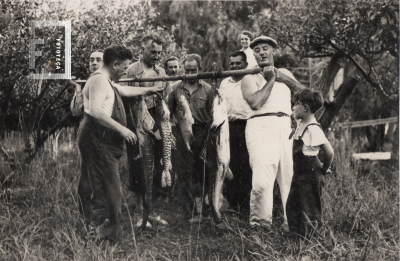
x=267 y=131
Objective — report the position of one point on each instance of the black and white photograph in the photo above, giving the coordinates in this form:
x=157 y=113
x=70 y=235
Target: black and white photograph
x=191 y=130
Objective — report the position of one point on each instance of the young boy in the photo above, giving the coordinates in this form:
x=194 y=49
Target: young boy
x=303 y=207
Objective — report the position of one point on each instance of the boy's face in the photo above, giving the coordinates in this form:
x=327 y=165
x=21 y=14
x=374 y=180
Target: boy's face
x=300 y=111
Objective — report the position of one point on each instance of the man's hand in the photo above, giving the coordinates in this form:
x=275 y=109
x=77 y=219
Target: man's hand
x=156 y=88
x=269 y=73
x=77 y=86
x=129 y=136
x=278 y=74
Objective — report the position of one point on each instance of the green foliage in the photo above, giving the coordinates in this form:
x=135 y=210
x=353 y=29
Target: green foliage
x=37 y=105
x=365 y=33
x=209 y=28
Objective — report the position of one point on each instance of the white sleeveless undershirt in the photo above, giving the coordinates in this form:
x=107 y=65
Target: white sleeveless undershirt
x=107 y=105
x=278 y=100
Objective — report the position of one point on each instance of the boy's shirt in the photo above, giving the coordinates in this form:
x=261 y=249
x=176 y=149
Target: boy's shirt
x=313 y=138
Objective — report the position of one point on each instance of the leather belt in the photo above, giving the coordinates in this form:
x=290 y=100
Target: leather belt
x=277 y=114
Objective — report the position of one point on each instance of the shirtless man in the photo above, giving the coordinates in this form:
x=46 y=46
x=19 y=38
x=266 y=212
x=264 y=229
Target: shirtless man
x=95 y=62
x=268 y=130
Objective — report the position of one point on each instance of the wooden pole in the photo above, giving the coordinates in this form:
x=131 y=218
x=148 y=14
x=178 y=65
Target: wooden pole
x=206 y=75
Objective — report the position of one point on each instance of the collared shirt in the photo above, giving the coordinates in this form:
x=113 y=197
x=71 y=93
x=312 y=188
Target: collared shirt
x=135 y=70
x=237 y=107
x=251 y=60
x=200 y=101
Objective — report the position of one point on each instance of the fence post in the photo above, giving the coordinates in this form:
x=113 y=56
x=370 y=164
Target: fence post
x=349 y=142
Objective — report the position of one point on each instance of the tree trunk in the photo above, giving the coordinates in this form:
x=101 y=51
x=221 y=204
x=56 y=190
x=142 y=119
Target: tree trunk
x=345 y=90
x=329 y=74
x=40 y=142
x=7 y=92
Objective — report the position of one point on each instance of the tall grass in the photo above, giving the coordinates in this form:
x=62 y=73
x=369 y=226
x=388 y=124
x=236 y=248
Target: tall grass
x=360 y=221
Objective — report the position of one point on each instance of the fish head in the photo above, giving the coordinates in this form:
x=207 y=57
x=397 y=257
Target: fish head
x=219 y=112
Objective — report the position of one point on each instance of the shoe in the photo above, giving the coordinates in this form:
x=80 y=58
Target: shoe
x=199 y=218
x=257 y=225
x=158 y=220
x=139 y=223
x=285 y=227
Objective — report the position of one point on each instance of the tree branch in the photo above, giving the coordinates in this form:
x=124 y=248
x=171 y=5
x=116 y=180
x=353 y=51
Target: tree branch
x=367 y=77
x=344 y=92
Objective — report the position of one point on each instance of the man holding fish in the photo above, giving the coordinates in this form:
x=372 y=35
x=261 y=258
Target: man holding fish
x=152 y=46
x=238 y=189
x=191 y=102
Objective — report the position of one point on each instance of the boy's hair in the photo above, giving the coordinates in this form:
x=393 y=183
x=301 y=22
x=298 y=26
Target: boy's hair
x=239 y=53
x=116 y=52
x=171 y=58
x=247 y=33
x=154 y=37
x=194 y=57
x=309 y=97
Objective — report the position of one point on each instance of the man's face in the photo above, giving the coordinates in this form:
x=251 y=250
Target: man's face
x=264 y=54
x=172 y=67
x=151 y=53
x=120 y=68
x=244 y=41
x=95 y=61
x=191 y=67
x=237 y=63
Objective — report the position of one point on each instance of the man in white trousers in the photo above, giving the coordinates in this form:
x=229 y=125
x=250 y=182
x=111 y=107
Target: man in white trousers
x=267 y=131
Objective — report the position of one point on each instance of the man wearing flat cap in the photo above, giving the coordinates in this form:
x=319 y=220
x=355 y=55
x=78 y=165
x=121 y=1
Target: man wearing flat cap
x=267 y=131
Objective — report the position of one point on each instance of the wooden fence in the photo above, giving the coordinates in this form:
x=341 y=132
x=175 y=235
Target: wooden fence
x=348 y=126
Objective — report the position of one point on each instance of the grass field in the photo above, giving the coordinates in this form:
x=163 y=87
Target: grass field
x=360 y=209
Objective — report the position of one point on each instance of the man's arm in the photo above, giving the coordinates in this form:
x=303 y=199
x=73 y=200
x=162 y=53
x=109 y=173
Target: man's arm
x=286 y=77
x=254 y=97
x=128 y=91
x=97 y=91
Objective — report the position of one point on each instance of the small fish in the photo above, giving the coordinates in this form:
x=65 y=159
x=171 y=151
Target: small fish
x=185 y=121
x=163 y=125
x=217 y=154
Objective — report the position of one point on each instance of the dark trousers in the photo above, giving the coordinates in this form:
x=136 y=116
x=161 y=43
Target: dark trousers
x=303 y=207
x=190 y=169
x=135 y=164
x=238 y=189
x=99 y=186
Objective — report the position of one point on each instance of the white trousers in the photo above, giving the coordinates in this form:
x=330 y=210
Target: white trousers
x=270 y=152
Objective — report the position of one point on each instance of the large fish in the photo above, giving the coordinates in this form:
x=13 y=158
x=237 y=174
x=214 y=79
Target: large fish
x=163 y=125
x=217 y=154
x=144 y=124
x=185 y=121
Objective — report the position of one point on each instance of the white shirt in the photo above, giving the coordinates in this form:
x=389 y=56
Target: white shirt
x=313 y=138
x=279 y=98
x=251 y=60
x=237 y=107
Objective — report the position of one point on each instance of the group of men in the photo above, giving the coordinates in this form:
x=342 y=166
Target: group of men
x=259 y=109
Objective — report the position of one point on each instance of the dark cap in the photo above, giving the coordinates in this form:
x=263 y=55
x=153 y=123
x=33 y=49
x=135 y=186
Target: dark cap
x=263 y=39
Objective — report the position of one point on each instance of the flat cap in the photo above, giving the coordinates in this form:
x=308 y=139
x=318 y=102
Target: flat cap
x=264 y=39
